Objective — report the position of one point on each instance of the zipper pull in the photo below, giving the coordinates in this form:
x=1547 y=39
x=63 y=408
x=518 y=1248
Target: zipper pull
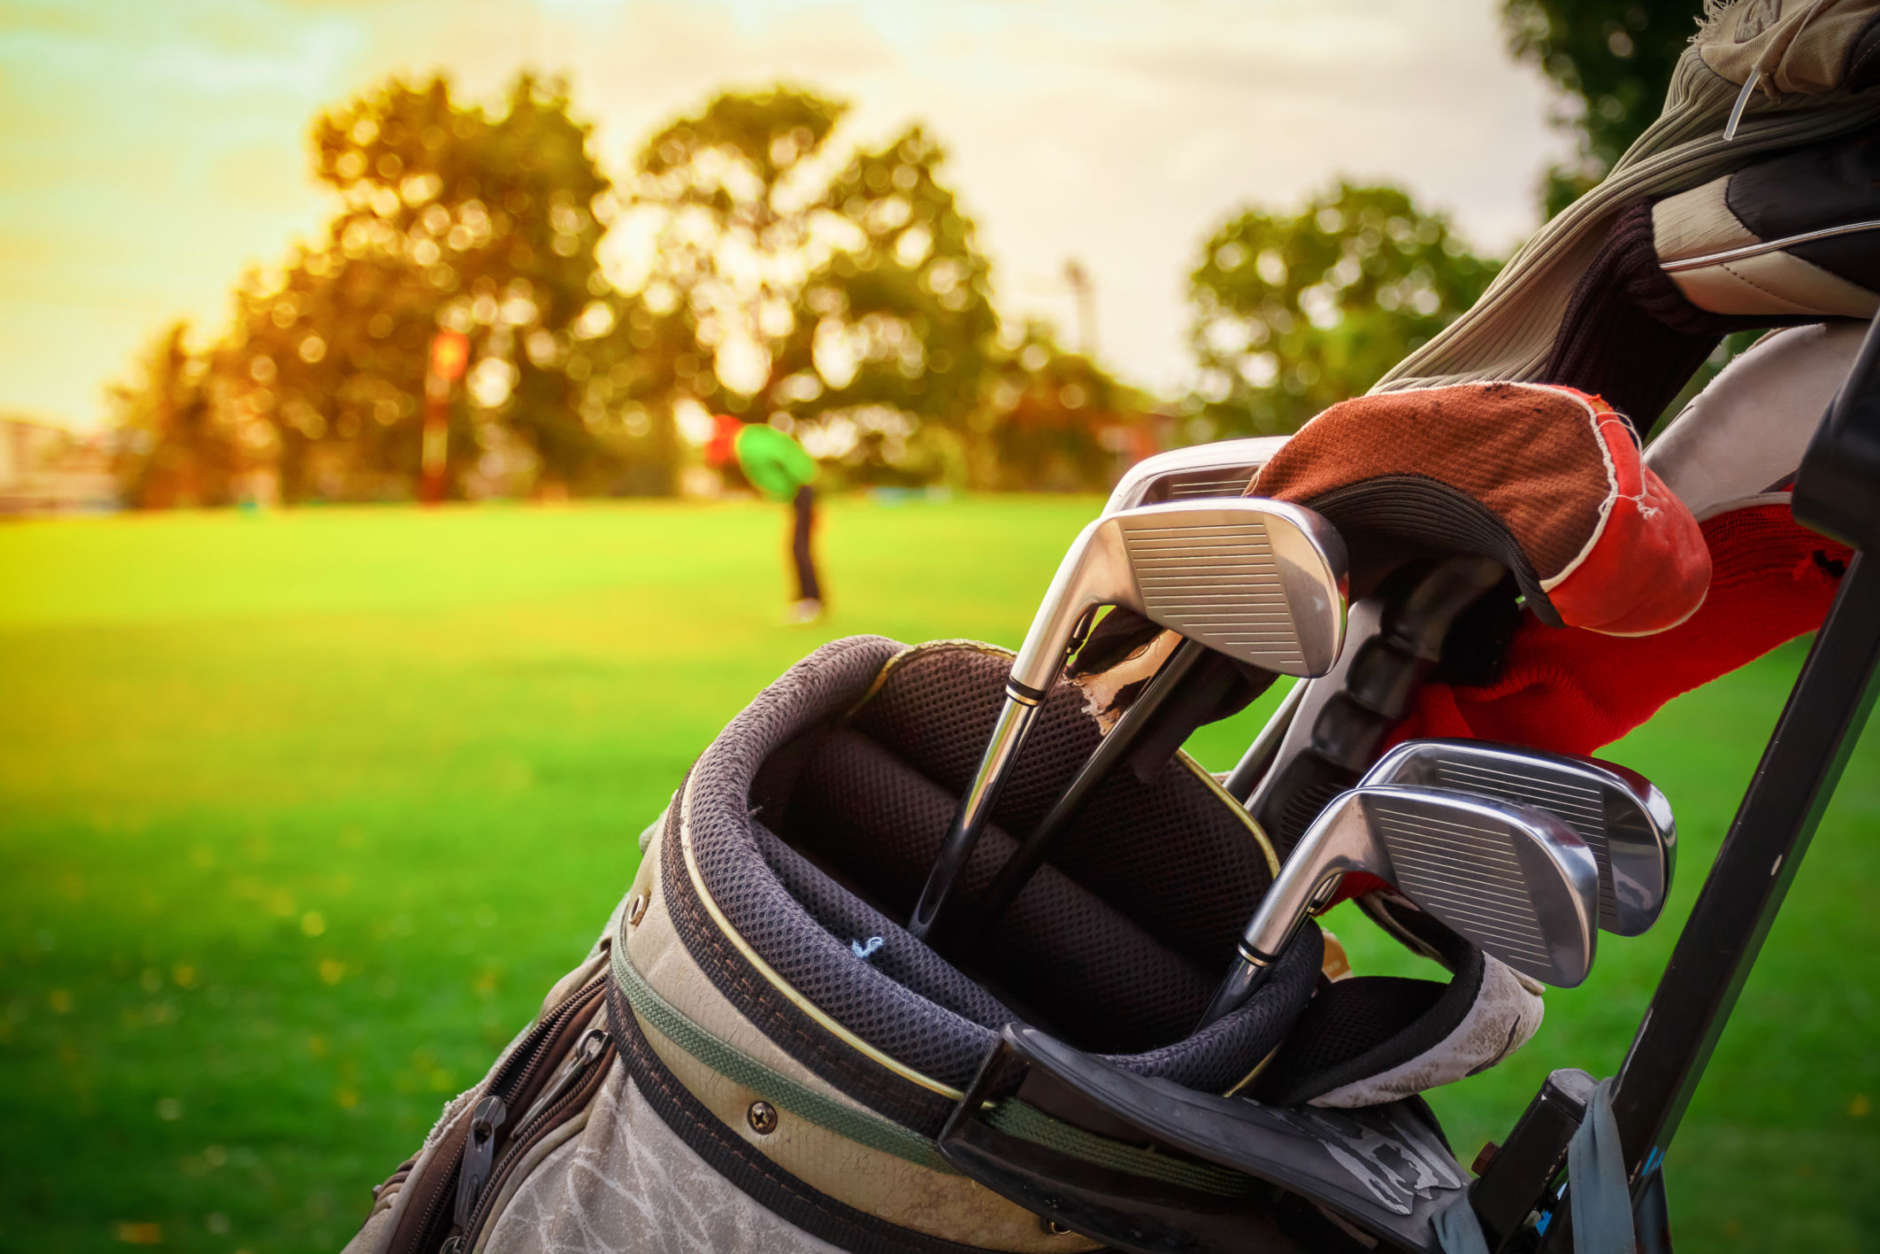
x=584 y=1055
x=479 y=1154
x=591 y=1046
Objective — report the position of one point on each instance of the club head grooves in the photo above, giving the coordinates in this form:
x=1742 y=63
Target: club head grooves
x=1626 y=821
x=1514 y=880
x=1261 y=581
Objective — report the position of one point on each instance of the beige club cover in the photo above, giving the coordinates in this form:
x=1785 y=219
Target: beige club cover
x=1802 y=71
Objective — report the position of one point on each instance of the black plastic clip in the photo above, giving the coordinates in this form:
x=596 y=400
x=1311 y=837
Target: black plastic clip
x=1314 y=1180
x=1526 y=1167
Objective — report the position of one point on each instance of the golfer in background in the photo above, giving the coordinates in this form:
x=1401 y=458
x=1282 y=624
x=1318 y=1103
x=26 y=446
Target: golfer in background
x=777 y=466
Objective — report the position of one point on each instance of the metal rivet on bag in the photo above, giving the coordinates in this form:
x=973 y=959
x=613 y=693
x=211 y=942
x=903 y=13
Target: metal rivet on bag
x=636 y=909
x=762 y=1117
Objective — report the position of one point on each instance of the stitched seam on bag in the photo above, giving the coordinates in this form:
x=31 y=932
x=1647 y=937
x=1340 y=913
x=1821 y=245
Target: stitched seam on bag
x=729 y=970
x=726 y=1060
x=850 y=1062
x=784 y=986
x=724 y=964
x=1013 y=1118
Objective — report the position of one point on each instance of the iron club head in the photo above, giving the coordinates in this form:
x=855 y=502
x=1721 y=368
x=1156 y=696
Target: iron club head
x=1262 y=565
x=1619 y=814
x=1223 y=468
x=1262 y=581
x=1513 y=880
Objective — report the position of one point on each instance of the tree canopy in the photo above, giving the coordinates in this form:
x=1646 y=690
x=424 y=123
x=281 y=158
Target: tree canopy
x=450 y=216
x=834 y=288
x=1056 y=420
x=759 y=260
x=170 y=449
x=1613 y=58
x=1295 y=312
x=841 y=294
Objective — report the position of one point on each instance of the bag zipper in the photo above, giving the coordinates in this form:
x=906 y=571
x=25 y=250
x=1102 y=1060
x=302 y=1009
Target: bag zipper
x=513 y=1088
x=479 y=1156
x=592 y=1059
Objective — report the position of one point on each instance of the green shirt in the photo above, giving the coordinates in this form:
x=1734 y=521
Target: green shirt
x=775 y=464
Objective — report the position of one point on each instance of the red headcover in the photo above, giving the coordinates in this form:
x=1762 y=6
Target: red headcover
x=1545 y=479
x=1573 y=691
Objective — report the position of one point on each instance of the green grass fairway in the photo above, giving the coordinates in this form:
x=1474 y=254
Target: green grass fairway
x=301 y=814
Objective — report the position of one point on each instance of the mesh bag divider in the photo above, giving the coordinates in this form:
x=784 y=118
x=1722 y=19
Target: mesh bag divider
x=1055 y=932
x=815 y=814
x=1172 y=853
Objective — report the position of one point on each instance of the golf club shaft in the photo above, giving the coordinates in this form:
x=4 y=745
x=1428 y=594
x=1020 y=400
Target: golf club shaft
x=1300 y=885
x=1008 y=736
x=1343 y=718
x=1026 y=859
x=1265 y=746
x=1241 y=983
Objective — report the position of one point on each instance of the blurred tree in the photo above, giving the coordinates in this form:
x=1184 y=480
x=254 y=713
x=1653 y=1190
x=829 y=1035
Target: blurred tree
x=1613 y=58
x=483 y=223
x=843 y=299
x=171 y=450
x=1057 y=421
x=1295 y=313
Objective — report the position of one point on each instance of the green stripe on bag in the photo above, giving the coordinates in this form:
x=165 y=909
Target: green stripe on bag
x=1028 y=1123
x=846 y=1121
x=1013 y=1118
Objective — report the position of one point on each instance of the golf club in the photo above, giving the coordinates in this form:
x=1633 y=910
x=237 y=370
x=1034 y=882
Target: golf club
x=1260 y=581
x=1032 y=851
x=1513 y=880
x=1025 y=860
x=1223 y=468
x=1623 y=819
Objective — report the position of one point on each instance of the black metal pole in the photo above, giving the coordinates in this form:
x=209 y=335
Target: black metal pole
x=1752 y=873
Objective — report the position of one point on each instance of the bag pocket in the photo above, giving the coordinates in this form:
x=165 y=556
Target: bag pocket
x=572 y=1092
x=549 y=1076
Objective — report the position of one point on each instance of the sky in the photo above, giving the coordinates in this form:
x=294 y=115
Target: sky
x=150 y=152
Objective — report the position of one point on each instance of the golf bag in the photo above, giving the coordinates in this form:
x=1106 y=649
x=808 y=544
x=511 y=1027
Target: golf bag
x=755 y=1055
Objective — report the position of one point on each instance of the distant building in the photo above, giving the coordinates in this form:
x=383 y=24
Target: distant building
x=49 y=469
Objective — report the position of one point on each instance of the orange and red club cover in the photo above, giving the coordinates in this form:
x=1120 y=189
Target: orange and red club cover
x=1574 y=691
x=1546 y=479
